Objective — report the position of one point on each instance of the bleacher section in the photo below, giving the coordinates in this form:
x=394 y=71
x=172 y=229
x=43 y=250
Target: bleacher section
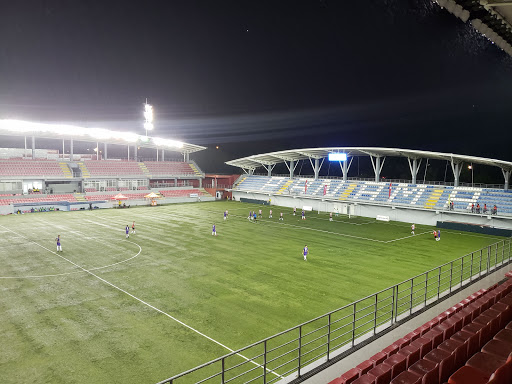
x=169 y=168
x=469 y=343
x=37 y=168
x=39 y=199
x=102 y=168
x=435 y=197
x=184 y=192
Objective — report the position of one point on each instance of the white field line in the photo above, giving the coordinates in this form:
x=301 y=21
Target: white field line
x=144 y=302
x=407 y=237
x=69 y=273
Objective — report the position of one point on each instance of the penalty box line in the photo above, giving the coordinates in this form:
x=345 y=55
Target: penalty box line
x=144 y=302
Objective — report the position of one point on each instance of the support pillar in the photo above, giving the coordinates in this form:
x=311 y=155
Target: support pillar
x=135 y=154
x=456 y=168
x=377 y=166
x=97 y=150
x=128 y=153
x=317 y=168
x=71 y=150
x=163 y=154
x=292 y=168
x=157 y=154
x=62 y=149
x=414 y=168
x=187 y=157
x=33 y=148
x=506 y=175
x=105 y=152
x=25 y=152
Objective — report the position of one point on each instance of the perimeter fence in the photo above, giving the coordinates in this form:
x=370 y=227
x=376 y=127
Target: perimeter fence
x=292 y=353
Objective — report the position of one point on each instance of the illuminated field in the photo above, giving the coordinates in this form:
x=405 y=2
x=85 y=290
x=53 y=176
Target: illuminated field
x=172 y=296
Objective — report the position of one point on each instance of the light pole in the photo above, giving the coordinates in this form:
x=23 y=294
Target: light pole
x=148 y=116
x=471 y=167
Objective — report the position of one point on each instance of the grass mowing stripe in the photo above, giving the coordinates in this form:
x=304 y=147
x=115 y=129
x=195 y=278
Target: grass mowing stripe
x=144 y=302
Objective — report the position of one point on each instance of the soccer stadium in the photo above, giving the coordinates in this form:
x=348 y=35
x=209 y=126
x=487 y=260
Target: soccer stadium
x=128 y=257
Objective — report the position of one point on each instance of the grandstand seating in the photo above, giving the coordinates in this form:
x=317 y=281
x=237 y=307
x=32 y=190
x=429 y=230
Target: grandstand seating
x=40 y=168
x=93 y=168
x=39 y=199
x=183 y=192
x=415 y=195
x=470 y=343
x=170 y=168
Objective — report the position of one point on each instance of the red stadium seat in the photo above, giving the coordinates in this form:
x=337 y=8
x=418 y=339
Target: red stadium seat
x=398 y=364
x=365 y=366
x=378 y=358
x=390 y=350
x=445 y=360
x=436 y=336
x=458 y=349
x=382 y=373
x=424 y=344
x=407 y=377
x=471 y=340
x=485 y=363
x=350 y=376
x=428 y=370
x=365 y=379
x=504 y=335
x=411 y=353
x=501 y=349
x=468 y=375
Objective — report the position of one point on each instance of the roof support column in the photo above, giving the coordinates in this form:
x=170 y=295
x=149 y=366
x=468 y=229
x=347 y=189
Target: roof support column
x=414 y=167
x=71 y=150
x=317 y=168
x=377 y=166
x=291 y=168
x=33 y=148
x=105 y=156
x=186 y=156
x=128 y=153
x=345 y=166
x=97 y=150
x=163 y=154
x=506 y=175
x=456 y=168
x=63 y=149
x=269 y=168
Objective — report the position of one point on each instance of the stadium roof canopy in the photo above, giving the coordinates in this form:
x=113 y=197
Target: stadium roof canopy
x=377 y=155
x=492 y=18
x=72 y=132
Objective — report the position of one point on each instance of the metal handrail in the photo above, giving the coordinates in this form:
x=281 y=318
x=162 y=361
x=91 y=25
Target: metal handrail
x=411 y=299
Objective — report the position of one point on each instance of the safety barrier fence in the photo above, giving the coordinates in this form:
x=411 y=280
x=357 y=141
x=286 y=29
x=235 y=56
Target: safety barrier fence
x=291 y=353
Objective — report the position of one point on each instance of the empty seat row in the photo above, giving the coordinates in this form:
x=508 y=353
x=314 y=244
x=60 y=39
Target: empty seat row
x=435 y=351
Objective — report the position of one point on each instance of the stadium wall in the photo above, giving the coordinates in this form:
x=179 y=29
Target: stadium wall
x=403 y=214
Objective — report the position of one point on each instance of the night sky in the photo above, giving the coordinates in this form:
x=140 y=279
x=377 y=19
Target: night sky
x=258 y=76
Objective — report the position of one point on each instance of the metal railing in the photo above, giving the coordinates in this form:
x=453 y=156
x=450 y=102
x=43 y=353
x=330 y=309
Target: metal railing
x=290 y=354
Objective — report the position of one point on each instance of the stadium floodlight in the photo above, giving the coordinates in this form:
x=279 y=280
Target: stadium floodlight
x=337 y=157
x=148 y=116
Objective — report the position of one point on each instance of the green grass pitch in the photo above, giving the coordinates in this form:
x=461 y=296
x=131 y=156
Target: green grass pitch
x=139 y=310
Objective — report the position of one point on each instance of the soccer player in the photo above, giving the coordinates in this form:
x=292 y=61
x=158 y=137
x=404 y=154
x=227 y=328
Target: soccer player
x=303 y=215
x=438 y=235
x=214 y=231
x=413 y=227
x=330 y=216
x=127 y=231
x=435 y=235
x=305 y=252
x=250 y=216
x=225 y=215
x=281 y=216
x=260 y=214
x=133 y=227
x=294 y=211
x=270 y=214
x=59 y=247
x=254 y=216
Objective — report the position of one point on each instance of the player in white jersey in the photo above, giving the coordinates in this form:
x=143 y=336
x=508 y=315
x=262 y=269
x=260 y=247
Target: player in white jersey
x=270 y=214
x=330 y=216
x=281 y=216
x=259 y=212
x=133 y=227
x=413 y=227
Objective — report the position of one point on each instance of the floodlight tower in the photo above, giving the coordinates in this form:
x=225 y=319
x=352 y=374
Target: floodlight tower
x=148 y=116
